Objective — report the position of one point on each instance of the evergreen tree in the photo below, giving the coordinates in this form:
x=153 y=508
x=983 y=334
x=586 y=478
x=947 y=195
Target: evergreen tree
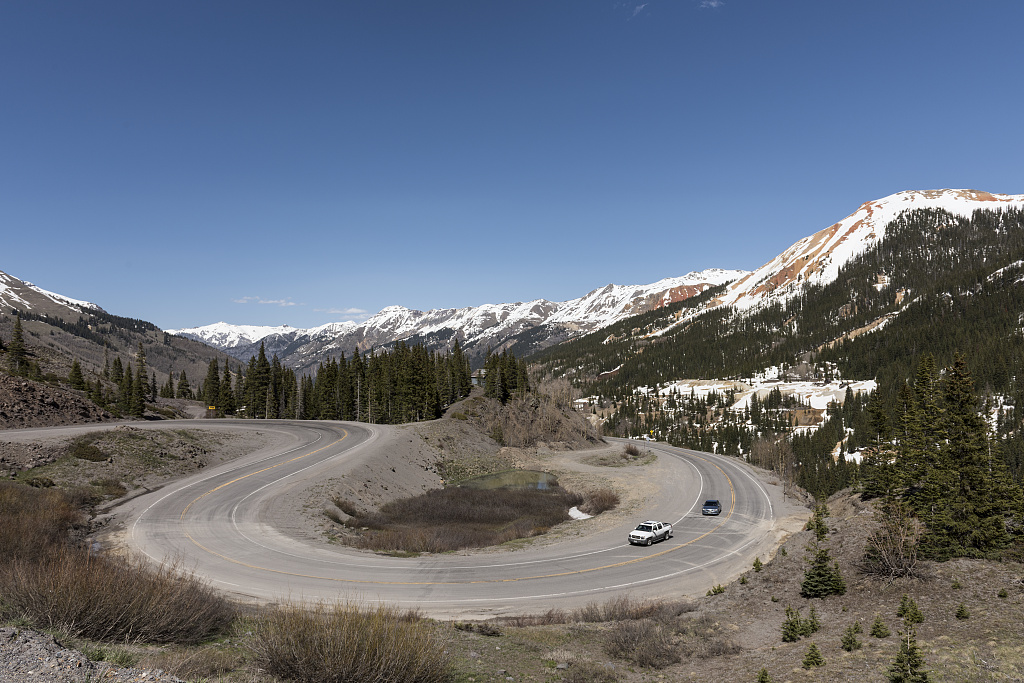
x=908 y=667
x=792 y=627
x=849 y=641
x=227 y=393
x=878 y=628
x=75 y=378
x=137 y=407
x=184 y=390
x=167 y=390
x=17 y=354
x=813 y=657
x=909 y=611
x=211 y=385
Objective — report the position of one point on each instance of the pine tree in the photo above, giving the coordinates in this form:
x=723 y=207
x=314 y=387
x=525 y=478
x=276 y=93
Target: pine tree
x=962 y=612
x=849 y=641
x=139 y=386
x=167 y=390
x=211 y=385
x=908 y=667
x=75 y=378
x=878 y=628
x=813 y=657
x=184 y=390
x=764 y=677
x=17 y=354
x=227 y=394
x=909 y=611
x=792 y=627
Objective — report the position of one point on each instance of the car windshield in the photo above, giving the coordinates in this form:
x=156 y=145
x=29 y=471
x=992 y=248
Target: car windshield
x=710 y=503
x=644 y=527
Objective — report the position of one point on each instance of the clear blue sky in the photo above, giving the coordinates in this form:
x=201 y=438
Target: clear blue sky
x=304 y=162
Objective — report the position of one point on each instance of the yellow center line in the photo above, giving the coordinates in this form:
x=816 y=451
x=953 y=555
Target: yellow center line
x=218 y=488
x=624 y=563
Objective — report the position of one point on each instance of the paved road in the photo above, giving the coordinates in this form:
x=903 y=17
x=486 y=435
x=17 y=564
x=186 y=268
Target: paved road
x=217 y=523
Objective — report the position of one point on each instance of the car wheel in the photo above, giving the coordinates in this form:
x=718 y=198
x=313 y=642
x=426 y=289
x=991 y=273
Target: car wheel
x=650 y=541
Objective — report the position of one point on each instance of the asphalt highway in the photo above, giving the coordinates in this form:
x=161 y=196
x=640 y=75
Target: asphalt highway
x=216 y=523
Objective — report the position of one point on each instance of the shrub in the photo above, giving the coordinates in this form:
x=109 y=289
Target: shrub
x=717 y=589
x=442 y=520
x=109 y=598
x=599 y=501
x=589 y=672
x=743 y=580
x=758 y=565
x=84 y=449
x=878 y=628
x=644 y=642
x=1003 y=593
x=631 y=451
x=763 y=676
x=962 y=613
x=34 y=520
x=341 y=642
x=892 y=549
x=702 y=637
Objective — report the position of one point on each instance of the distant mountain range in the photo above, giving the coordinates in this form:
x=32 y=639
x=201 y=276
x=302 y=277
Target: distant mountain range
x=528 y=327
x=477 y=328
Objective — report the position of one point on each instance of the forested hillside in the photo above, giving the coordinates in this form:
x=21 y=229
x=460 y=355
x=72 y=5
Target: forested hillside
x=936 y=284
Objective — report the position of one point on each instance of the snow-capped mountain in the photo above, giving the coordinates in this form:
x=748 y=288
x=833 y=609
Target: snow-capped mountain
x=18 y=295
x=818 y=258
x=476 y=328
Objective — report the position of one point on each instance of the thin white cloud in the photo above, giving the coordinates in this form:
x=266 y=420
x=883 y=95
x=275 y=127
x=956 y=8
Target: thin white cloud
x=638 y=9
x=261 y=300
x=358 y=314
x=713 y=4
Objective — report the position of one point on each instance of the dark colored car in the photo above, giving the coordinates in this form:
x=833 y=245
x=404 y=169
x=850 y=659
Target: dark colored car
x=711 y=507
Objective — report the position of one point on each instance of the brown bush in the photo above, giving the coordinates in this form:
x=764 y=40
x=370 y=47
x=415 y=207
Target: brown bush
x=589 y=672
x=109 y=598
x=451 y=519
x=644 y=642
x=620 y=608
x=34 y=520
x=631 y=451
x=599 y=501
x=342 y=642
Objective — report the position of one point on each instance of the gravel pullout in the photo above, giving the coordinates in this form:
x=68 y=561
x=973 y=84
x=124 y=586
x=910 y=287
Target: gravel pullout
x=30 y=656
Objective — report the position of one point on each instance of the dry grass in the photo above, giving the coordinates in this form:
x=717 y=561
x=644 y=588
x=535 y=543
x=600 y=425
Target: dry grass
x=644 y=642
x=34 y=520
x=451 y=519
x=601 y=500
x=109 y=598
x=621 y=608
x=51 y=583
x=343 y=642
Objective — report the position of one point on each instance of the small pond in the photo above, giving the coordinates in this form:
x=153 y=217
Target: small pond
x=513 y=479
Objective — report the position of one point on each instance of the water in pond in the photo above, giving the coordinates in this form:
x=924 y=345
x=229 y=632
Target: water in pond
x=513 y=479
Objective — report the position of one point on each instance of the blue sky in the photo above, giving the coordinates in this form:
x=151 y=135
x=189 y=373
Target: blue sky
x=304 y=162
